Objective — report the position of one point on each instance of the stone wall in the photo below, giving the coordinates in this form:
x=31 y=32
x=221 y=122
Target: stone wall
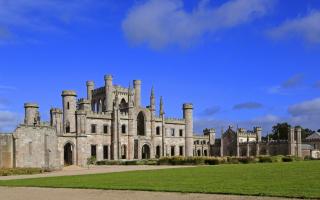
x=6 y=149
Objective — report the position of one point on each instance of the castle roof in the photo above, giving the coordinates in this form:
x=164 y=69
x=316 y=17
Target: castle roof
x=314 y=136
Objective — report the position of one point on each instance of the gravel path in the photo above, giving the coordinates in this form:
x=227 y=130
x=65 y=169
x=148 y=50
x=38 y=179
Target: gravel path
x=77 y=194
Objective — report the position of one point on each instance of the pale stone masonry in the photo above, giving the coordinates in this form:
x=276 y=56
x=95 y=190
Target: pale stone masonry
x=111 y=124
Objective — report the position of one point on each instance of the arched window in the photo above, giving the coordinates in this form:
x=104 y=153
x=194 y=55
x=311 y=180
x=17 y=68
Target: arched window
x=141 y=124
x=123 y=129
x=158 y=130
x=68 y=127
x=124 y=152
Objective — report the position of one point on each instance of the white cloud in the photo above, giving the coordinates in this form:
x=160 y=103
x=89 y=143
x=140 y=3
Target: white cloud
x=306 y=108
x=159 y=23
x=307 y=28
x=293 y=82
x=8 y=120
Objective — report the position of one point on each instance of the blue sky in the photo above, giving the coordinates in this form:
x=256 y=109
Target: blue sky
x=241 y=62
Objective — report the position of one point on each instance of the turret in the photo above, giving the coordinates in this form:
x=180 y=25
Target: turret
x=32 y=116
x=188 y=116
x=84 y=105
x=212 y=135
x=69 y=102
x=90 y=88
x=258 y=132
x=291 y=150
x=56 y=119
x=109 y=92
x=137 y=93
x=298 y=133
x=152 y=102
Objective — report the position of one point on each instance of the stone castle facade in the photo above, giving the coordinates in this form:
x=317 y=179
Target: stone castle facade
x=111 y=124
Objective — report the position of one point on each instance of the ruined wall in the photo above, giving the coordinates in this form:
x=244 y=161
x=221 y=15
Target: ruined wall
x=6 y=150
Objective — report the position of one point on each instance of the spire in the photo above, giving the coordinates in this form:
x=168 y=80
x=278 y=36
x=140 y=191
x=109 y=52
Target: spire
x=161 y=106
x=152 y=100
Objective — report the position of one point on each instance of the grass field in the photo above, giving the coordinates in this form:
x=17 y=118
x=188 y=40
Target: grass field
x=297 y=179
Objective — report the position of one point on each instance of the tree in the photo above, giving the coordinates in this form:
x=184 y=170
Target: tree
x=280 y=131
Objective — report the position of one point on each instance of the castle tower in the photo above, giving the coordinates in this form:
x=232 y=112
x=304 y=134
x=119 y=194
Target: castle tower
x=163 y=128
x=56 y=119
x=258 y=132
x=188 y=116
x=31 y=114
x=90 y=88
x=299 y=150
x=212 y=138
x=291 y=144
x=137 y=93
x=116 y=128
x=131 y=129
x=69 y=102
x=109 y=92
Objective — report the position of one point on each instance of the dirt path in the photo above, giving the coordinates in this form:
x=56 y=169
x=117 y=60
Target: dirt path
x=74 y=170
x=77 y=194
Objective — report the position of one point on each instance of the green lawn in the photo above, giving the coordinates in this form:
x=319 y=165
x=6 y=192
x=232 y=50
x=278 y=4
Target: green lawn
x=297 y=179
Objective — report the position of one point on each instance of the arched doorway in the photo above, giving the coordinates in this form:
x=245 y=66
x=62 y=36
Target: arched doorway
x=158 y=151
x=68 y=154
x=145 y=152
x=141 y=124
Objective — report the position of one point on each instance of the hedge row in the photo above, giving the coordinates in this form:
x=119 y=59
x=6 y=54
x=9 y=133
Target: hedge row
x=20 y=171
x=203 y=160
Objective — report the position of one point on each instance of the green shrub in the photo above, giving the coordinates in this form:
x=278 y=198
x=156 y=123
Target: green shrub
x=232 y=160
x=19 y=171
x=287 y=159
x=108 y=162
x=91 y=160
x=265 y=159
x=277 y=158
x=212 y=161
x=247 y=160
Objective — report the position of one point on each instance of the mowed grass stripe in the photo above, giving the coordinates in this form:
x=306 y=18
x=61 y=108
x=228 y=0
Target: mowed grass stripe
x=297 y=179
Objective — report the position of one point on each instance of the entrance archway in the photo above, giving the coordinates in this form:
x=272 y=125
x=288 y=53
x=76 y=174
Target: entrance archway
x=145 y=152
x=68 y=154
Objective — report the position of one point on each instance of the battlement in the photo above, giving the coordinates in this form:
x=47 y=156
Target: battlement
x=170 y=120
x=98 y=91
x=69 y=93
x=102 y=115
x=31 y=105
x=56 y=110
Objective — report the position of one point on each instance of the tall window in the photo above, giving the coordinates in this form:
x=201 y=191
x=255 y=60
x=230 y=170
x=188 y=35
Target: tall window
x=181 y=132
x=68 y=127
x=158 y=152
x=123 y=129
x=93 y=150
x=68 y=106
x=93 y=128
x=141 y=124
x=105 y=152
x=105 y=129
x=158 y=130
x=172 y=132
x=172 y=151
x=181 y=150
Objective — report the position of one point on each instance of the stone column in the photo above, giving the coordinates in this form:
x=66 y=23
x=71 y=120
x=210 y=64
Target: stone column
x=188 y=116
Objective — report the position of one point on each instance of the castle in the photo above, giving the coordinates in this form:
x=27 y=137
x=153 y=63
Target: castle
x=111 y=124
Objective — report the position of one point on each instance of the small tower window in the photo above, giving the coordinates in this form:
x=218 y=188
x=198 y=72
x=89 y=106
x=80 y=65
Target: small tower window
x=105 y=129
x=172 y=132
x=93 y=128
x=181 y=132
x=68 y=106
x=68 y=127
x=158 y=130
x=123 y=129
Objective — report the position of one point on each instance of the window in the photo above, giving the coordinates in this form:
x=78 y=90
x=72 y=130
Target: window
x=141 y=124
x=68 y=106
x=205 y=153
x=105 y=152
x=93 y=150
x=67 y=127
x=172 y=132
x=93 y=128
x=172 y=151
x=158 y=130
x=158 y=152
x=30 y=148
x=181 y=132
x=181 y=150
x=105 y=129
x=123 y=129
